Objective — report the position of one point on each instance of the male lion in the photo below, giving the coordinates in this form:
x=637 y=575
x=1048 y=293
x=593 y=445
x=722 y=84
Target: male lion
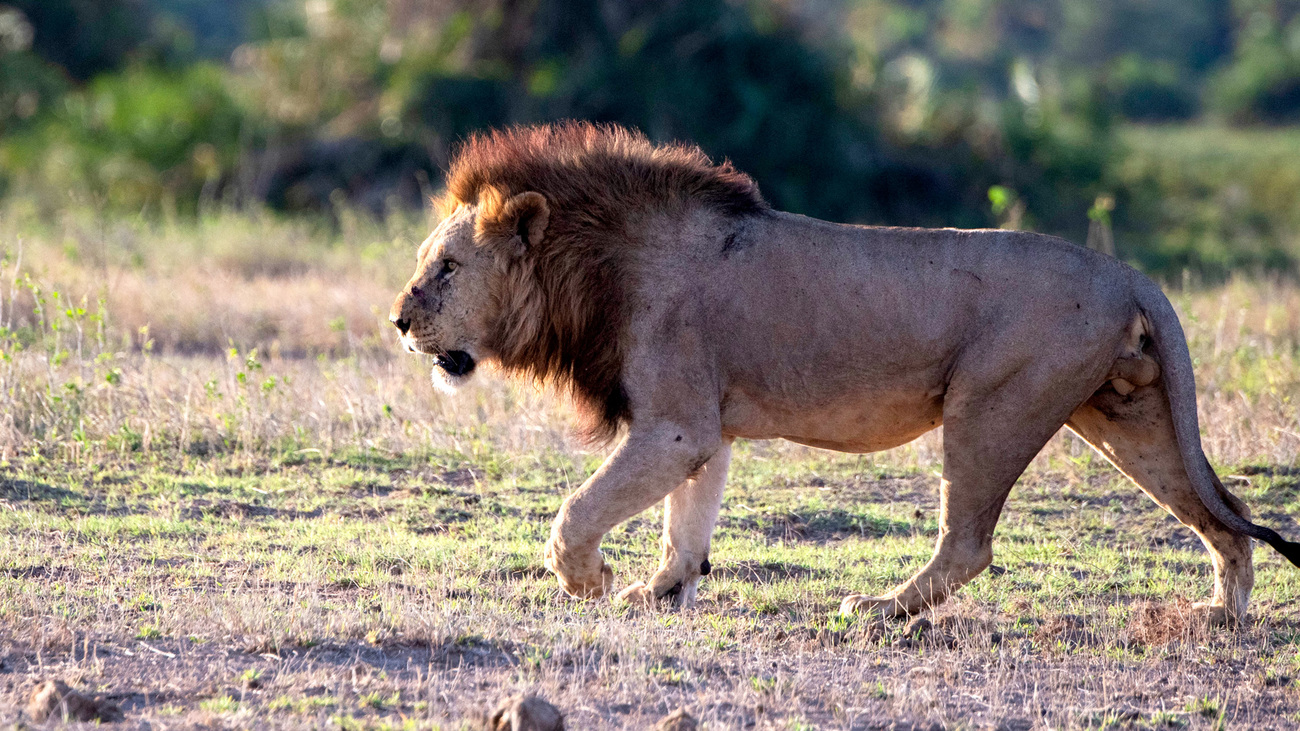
x=671 y=301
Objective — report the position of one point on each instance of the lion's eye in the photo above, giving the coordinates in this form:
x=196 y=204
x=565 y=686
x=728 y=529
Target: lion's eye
x=448 y=266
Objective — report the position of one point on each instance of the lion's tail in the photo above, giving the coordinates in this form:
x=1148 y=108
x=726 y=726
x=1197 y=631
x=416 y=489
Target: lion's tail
x=1180 y=388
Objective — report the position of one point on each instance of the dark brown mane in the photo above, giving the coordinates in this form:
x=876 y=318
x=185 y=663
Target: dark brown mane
x=564 y=301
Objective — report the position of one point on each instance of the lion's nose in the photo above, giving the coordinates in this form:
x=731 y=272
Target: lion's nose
x=402 y=324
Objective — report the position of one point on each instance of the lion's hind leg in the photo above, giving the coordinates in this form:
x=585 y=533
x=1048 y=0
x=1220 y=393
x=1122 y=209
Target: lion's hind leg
x=990 y=436
x=690 y=513
x=1135 y=432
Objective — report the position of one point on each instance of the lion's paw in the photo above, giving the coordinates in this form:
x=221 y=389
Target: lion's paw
x=1213 y=615
x=586 y=578
x=864 y=605
x=638 y=595
x=658 y=593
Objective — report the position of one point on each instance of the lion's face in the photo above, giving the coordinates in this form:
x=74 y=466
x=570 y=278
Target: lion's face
x=445 y=310
x=448 y=309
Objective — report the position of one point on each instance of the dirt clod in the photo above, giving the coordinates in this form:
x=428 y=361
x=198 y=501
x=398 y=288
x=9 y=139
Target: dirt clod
x=872 y=629
x=1159 y=623
x=915 y=634
x=55 y=698
x=525 y=713
x=678 y=720
x=1070 y=629
x=918 y=628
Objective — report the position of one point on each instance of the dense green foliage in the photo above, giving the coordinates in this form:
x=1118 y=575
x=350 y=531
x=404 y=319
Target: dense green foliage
x=1210 y=201
x=879 y=111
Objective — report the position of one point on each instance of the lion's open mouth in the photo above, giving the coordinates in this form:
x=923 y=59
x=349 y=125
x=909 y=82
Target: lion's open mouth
x=456 y=363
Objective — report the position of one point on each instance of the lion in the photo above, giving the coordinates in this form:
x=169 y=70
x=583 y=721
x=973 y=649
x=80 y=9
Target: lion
x=682 y=312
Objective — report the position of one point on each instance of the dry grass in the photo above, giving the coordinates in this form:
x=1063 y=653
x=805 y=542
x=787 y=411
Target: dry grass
x=308 y=534
x=289 y=288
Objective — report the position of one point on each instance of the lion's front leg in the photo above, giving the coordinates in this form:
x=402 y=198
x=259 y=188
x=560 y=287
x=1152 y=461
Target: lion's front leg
x=690 y=513
x=649 y=463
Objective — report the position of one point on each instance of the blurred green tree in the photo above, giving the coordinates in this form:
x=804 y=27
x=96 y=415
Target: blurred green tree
x=28 y=85
x=882 y=111
x=776 y=93
x=133 y=140
x=1262 y=84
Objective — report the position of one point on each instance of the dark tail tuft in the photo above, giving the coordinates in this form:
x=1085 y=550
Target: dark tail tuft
x=1288 y=549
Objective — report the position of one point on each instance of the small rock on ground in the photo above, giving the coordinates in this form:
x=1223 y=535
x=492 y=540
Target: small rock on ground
x=55 y=698
x=678 y=720
x=525 y=713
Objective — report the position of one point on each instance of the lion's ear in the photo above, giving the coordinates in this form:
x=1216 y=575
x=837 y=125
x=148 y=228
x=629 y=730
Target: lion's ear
x=527 y=215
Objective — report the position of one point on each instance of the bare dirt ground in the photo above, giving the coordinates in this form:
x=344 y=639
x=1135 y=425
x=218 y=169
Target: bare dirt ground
x=395 y=593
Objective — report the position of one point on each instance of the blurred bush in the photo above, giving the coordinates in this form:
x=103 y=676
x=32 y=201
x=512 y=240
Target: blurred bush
x=363 y=100
x=1150 y=91
x=28 y=85
x=1210 y=200
x=905 y=112
x=1261 y=87
x=132 y=140
x=1263 y=82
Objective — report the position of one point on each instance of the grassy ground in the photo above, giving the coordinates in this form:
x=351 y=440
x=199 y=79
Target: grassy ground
x=210 y=535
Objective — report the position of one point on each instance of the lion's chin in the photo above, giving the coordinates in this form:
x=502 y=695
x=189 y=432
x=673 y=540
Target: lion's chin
x=452 y=371
x=446 y=382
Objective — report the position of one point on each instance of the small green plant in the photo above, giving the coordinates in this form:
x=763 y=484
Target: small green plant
x=879 y=691
x=349 y=723
x=145 y=603
x=667 y=675
x=148 y=632
x=220 y=704
x=379 y=701
x=1006 y=206
x=533 y=657
x=1204 y=706
x=840 y=622
x=302 y=706
x=1166 y=719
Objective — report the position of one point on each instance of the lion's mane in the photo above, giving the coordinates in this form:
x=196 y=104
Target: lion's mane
x=564 y=299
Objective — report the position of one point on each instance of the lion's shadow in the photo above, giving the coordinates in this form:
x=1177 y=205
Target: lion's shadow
x=823 y=525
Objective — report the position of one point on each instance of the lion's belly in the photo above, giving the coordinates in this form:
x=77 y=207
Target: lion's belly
x=860 y=422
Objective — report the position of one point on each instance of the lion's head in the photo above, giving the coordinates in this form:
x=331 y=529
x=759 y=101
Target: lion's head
x=452 y=307
x=530 y=266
